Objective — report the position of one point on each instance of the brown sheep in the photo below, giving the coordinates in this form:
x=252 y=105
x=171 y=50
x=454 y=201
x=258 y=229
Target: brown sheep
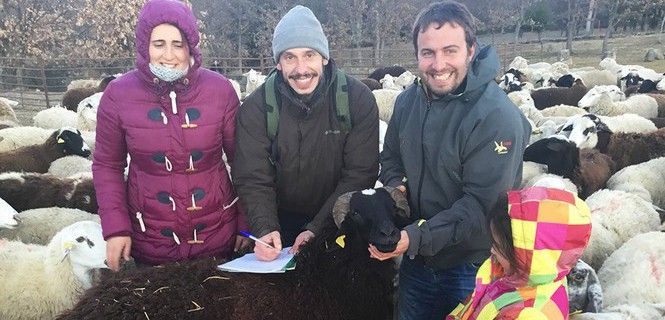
x=627 y=149
x=38 y=158
x=548 y=97
x=25 y=191
x=660 y=99
x=72 y=97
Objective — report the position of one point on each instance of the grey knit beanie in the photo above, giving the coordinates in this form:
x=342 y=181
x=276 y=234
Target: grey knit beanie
x=299 y=28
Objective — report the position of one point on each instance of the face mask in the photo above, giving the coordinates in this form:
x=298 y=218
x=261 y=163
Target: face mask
x=167 y=74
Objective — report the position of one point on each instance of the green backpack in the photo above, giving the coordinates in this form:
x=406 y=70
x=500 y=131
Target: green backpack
x=341 y=104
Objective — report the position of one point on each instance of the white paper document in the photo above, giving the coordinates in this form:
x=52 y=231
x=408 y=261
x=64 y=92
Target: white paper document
x=249 y=263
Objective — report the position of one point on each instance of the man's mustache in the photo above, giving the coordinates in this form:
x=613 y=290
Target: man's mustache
x=306 y=75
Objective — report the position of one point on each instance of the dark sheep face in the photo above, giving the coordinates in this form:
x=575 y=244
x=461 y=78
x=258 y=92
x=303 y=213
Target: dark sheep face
x=632 y=79
x=70 y=142
x=371 y=218
x=561 y=156
x=565 y=81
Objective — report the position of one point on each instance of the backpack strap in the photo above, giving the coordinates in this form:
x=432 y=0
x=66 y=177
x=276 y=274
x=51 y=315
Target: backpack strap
x=342 y=102
x=272 y=109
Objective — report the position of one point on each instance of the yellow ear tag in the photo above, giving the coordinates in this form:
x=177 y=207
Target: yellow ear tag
x=67 y=245
x=421 y=221
x=61 y=141
x=340 y=241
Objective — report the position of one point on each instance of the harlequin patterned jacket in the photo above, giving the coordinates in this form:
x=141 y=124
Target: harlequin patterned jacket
x=178 y=202
x=551 y=228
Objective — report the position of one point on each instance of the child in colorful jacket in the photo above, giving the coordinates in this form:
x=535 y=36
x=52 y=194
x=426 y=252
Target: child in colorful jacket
x=534 y=246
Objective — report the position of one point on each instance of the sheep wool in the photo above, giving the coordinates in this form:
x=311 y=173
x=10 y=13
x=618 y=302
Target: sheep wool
x=39 y=282
x=634 y=272
x=38 y=226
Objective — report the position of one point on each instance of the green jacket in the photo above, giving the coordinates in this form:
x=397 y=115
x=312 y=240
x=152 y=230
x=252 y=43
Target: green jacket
x=314 y=161
x=456 y=153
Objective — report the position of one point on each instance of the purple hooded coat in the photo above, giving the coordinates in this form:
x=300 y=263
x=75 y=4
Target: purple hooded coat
x=178 y=202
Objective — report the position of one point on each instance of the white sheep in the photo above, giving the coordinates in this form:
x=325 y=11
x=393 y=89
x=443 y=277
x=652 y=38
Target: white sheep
x=405 y=79
x=87 y=112
x=236 y=88
x=642 y=311
x=592 y=96
x=16 y=137
x=385 y=100
x=562 y=110
x=7 y=216
x=38 y=226
x=593 y=78
x=7 y=112
x=83 y=83
x=583 y=129
x=39 y=282
x=644 y=179
x=388 y=82
x=70 y=165
x=616 y=216
x=55 y=118
x=623 y=70
x=552 y=181
x=383 y=127
x=530 y=170
x=639 y=104
x=635 y=272
x=254 y=80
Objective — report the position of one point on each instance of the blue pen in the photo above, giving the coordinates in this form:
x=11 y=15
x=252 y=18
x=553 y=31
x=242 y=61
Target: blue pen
x=249 y=235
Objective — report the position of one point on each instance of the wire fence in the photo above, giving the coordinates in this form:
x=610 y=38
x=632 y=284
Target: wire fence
x=37 y=85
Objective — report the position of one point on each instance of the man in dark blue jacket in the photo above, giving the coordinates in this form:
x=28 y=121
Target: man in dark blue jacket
x=454 y=143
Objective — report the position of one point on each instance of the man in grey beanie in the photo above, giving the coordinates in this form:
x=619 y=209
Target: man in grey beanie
x=292 y=163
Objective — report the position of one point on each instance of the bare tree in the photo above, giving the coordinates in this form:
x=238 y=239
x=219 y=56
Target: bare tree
x=613 y=19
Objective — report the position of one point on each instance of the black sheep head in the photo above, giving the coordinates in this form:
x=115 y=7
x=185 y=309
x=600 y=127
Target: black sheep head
x=561 y=156
x=70 y=142
x=373 y=216
x=565 y=81
x=632 y=79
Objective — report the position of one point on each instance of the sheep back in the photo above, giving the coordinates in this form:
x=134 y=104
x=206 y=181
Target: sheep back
x=38 y=226
x=71 y=98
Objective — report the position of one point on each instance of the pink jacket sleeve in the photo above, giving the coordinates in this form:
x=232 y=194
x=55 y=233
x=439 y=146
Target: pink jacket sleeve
x=109 y=162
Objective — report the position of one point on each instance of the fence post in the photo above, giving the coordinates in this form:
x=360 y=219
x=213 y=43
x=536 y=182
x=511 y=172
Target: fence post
x=48 y=104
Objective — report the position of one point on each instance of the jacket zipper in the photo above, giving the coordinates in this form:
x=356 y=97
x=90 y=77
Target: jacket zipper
x=422 y=156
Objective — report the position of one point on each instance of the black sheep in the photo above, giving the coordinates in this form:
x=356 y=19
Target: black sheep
x=334 y=278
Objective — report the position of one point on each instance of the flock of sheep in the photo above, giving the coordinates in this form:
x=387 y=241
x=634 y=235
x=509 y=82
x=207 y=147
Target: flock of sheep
x=597 y=130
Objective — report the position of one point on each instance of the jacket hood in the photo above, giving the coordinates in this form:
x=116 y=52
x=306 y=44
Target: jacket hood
x=176 y=13
x=483 y=69
x=551 y=228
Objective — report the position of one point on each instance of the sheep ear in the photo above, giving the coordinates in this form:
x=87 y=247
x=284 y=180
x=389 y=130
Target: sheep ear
x=341 y=208
x=400 y=201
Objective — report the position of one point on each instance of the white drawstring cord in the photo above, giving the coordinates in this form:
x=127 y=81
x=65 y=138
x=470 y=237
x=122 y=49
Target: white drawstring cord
x=176 y=239
x=169 y=166
x=139 y=216
x=164 y=119
x=172 y=203
x=174 y=107
x=187 y=123
x=196 y=239
x=193 y=207
x=191 y=164
x=232 y=203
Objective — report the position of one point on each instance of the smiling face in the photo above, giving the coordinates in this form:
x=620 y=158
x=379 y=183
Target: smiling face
x=168 y=48
x=302 y=68
x=443 y=57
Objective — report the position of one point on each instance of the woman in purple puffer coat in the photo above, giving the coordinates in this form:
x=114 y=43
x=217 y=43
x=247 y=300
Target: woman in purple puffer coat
x=175 y=120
